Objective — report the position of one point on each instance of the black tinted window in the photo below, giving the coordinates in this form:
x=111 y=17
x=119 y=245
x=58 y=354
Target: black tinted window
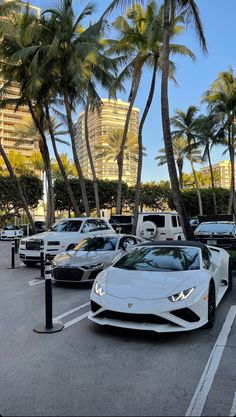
x=174 y=221
x=155 y=218
x=160 y=259
x=97 y=244
x=67 y=226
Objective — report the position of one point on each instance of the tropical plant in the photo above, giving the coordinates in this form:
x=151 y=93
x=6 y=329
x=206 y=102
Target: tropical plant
x=186 y=124
x=189 y=7
x=109 y=148
x=19 y=31
x=221 y=98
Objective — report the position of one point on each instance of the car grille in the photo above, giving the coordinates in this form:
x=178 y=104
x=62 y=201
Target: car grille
x=68 y=274
x=137 y=318
x=33 y=245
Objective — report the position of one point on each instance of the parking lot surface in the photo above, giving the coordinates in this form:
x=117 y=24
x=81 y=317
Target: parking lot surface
x=88 y=370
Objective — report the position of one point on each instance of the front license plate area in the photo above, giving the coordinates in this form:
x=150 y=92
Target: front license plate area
x=212 y=242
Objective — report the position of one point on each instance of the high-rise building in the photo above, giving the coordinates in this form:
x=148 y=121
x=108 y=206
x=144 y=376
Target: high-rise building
x=222 y=173
x=11 y=120
x=110 y=117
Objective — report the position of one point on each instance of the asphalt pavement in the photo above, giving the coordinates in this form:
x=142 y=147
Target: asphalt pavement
x=87 y=370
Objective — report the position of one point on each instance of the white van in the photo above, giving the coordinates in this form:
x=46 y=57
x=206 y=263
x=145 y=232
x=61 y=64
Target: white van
x=159 y=226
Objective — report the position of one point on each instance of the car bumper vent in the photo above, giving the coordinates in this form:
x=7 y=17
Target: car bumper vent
x=137 y=318
x=68 y=274
x=186 y=314
x=94 y=307
x=95 y=273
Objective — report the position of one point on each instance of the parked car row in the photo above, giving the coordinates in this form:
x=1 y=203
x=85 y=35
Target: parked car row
x=141 y=281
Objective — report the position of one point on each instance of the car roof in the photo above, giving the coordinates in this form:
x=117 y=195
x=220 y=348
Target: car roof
x=80 y=218
x=118 y=235
x=218 y=222
x=177 y=243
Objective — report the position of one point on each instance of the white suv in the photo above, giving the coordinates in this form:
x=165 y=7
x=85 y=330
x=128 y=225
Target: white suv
x=61 y=237
x=159 y=226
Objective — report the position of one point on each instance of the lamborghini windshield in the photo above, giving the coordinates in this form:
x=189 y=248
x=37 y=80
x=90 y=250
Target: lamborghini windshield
x=160 y=259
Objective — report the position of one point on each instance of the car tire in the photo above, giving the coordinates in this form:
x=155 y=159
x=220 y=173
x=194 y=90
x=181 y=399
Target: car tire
x=211 y=307
x=230 y=277
x=71 y=247
x=30 y=263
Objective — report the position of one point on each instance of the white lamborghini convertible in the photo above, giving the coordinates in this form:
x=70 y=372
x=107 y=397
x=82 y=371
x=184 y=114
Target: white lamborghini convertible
x=162 y=287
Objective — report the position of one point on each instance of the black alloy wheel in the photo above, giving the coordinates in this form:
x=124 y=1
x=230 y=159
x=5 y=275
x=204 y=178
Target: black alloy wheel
x=211 y=307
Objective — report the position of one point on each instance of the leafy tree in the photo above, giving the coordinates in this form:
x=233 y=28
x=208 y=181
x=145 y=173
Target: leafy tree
x=10 y=203
x=221 y=98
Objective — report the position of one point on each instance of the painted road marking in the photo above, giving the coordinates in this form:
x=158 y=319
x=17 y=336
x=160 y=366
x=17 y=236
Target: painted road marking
x=76 y=320
x=67 y=313
x=233 y=409
x=36 y=281
x=200 y=396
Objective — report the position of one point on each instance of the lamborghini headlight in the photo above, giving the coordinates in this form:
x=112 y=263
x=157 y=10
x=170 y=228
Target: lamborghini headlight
x=181 y=296
x=99 y=290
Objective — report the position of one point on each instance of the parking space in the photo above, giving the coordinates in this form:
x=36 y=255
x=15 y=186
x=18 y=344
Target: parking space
x=91 y=370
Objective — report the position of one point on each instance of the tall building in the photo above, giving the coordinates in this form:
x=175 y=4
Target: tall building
x=222 y=173
x=11 y=120
x=111 y=117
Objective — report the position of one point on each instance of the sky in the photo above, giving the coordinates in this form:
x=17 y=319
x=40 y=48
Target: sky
x=193 y=78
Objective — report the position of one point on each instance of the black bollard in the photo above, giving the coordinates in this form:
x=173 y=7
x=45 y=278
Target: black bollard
x=13 y=254
x=16 y=244
x=42 y=264
x=49 y=327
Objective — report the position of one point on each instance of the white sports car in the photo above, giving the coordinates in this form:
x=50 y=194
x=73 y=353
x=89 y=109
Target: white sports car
x=162 y=287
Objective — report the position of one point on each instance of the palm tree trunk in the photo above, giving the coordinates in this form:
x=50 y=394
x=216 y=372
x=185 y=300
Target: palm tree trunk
x=179 y=162
x=178 y=199
x=18 y=188
x=232 y=201
x=120 y=159
x=196 y=185
x=95 y=181
x=43 y=147
x=140 y=143
x=212 y=181
x=75 y=156
x=60 y=164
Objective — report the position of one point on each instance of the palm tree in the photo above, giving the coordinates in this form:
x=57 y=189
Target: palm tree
x=149 y=31
x=71 y=47
x=221 y=98
x=207 y=130
x=186 y=125
x=191 y=10
x=111 y=145
x=180 y=149
x=19 y=32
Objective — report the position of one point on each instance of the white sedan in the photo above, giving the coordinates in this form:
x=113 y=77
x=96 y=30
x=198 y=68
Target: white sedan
x=162 y=287
x=11 y=232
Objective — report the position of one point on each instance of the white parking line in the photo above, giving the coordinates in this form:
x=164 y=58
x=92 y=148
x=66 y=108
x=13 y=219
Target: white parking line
x=67 y=313
x=76 y=320
x=35 y=281
x=233 y=409
x=200 y=396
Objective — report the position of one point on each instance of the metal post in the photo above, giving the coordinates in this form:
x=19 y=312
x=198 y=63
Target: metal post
x=42 y=263
x=13 y=254
x=16 y=244
x=49 y=327
x=48 y=294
